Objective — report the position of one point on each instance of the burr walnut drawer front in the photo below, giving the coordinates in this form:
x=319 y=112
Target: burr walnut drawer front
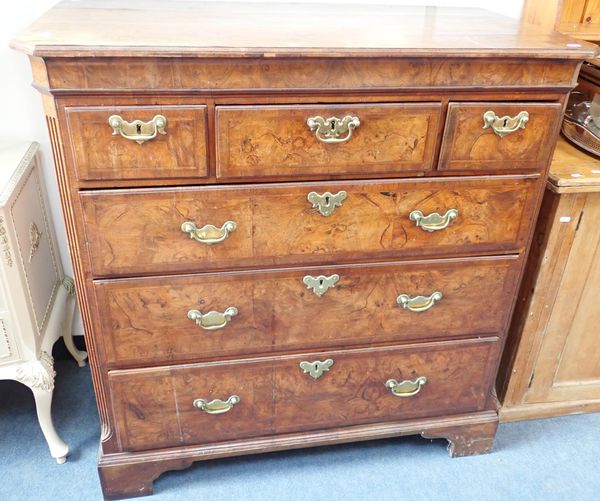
x=217 y=401
x=499 y=136
x=138 y=142
x=175 y=319
x=165 y=230
x=305 y=140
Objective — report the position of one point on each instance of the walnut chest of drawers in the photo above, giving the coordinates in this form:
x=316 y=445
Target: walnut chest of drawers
x=294 y=228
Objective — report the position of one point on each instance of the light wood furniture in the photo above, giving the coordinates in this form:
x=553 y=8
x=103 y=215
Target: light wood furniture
x=555 y=365
x=293 y=229
x=36 y=298
x=577 y=18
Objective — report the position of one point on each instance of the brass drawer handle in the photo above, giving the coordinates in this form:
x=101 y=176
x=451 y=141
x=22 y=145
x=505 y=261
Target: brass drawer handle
x=317 y=368
x=327 y=202
x=321 y=284
x=418 y=303
x=216 y=406
x=138 y=131
x=330 y=130
x=406 y=388
x=503 y=126
x=209 y=234
x=212 y=320
x=433 y=222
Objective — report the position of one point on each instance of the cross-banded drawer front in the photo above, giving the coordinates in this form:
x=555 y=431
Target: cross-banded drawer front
x=302 y=140
x=499 y=136
x=212 y=402
x=171 y=319
x=138 y=142
x=158 y=231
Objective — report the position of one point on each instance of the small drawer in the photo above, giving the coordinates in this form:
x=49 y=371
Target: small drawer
x=138 y=142
x=178 y=319
x=291 y=141
x=499 y=136
x=174 y=230
x=214 y=402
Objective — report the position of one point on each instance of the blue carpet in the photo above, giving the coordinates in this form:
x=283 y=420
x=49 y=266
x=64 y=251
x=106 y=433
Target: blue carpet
x=552 y=459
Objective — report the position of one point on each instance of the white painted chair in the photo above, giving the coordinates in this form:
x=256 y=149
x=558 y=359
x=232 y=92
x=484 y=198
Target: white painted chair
x=37 y=300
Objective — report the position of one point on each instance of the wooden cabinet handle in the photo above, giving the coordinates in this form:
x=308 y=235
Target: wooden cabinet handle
x=216 y=406
x=333 y=130
x=503 y=126
x=209 y=234
x=406 y=388
x=138 y=131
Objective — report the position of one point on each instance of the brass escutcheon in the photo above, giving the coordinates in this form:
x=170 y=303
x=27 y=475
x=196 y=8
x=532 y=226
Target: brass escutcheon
x=327 y=202
x=317 y=368
x=321 y=284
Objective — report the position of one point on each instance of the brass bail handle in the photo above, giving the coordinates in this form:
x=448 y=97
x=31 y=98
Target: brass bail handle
x=434 y=221
x=216 y=406
x=406 y=388
x=419 y=303
x=209 y=234
x=503 y=126
x=333 y=130
x=138 y=131
x=213 y=320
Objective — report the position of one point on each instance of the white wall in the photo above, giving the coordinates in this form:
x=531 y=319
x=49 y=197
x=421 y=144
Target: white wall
x=21 y=104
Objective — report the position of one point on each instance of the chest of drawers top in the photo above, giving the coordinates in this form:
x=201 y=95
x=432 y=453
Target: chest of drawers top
x=296 y=44
x=225 y=29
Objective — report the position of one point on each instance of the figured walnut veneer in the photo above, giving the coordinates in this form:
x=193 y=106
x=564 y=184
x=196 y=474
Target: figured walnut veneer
x=277 y=397
x=133 y=232
x=270 y=141
x=181 y=152
x=143 y=318
x=236 y=97
x=301 y=74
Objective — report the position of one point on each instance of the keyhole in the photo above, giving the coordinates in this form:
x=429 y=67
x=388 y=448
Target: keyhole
x=138 y=127
x=316 y=367
x=321 y=283
x=505 y=122
x=332 y=125
x=327 y=200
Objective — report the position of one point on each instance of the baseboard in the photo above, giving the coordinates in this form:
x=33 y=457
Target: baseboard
x=546 y=410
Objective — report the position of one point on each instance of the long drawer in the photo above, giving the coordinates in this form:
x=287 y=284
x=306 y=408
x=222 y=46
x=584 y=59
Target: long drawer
x=212 y=402
x=171 y=319
x=168 y=230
